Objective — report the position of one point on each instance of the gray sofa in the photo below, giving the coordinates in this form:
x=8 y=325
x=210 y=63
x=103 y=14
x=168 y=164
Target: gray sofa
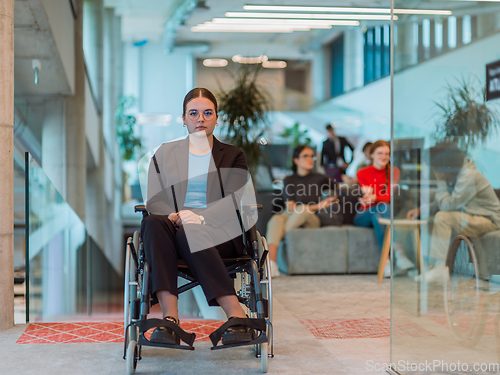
x=329 y=250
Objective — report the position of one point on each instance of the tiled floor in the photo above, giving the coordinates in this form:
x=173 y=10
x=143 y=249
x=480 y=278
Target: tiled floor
x=323 y=325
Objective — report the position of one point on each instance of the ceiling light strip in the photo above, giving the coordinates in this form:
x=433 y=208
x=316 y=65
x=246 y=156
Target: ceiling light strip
x=248 y=28
x=268 y=21
x=287 y=22
x=344 y=10
x=267 y=27
x=309 y=16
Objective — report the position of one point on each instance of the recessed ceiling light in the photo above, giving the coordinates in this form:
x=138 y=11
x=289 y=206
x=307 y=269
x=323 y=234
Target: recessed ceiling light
x=274 y=64
x=374 y=17
x=344 y=10
x=215 y=63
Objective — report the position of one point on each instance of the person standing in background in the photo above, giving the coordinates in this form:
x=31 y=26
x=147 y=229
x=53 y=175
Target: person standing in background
x=333 y=157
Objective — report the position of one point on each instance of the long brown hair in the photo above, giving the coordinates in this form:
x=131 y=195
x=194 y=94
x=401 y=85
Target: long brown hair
x=373 y=147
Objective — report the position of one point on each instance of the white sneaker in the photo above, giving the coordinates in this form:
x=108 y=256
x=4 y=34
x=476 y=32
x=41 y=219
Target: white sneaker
x=387 y=270
x=434 y=275
x=402 y=261
x=275 y=272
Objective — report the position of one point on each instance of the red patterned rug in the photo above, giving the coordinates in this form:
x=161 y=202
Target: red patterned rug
x=51 y=333
x=363 y=328
x=466 y=322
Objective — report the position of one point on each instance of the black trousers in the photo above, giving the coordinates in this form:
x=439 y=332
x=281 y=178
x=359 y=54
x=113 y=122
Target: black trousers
x=164 y=245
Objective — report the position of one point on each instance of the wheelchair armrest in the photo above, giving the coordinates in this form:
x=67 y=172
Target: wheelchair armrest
x=140 y=208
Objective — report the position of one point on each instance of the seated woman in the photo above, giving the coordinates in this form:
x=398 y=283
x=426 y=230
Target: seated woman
x=465 y=202
x=374 y=182
x=302 y=196
x=187 y=205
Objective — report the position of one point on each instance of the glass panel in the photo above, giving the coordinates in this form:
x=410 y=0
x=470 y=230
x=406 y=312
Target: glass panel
x=446 y=212
x=68 y=272
x=56 y=237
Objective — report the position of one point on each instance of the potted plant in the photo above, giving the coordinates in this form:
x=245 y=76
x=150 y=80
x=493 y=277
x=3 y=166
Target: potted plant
x=465 y=119
x=125 y=123
x=294 y=137
x=244 y=110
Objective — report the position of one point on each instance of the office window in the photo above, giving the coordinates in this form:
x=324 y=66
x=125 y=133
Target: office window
x=426 y=33
x=467 y=30
x=377 y=53
x=337 y=67
x=439 y=36
x=452 y=32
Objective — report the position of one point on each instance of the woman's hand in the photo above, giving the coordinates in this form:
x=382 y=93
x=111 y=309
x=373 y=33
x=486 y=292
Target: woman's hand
x=326 y=203
x=187 y=217
x=366 y=190
x=173 y=218
x=413 y=213
x=322 y=204
x=368 y=199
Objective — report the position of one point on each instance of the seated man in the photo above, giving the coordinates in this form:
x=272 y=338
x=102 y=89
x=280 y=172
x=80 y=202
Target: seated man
x=466 y=202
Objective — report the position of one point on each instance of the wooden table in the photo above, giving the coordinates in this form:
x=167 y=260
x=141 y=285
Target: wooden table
x=404 y=224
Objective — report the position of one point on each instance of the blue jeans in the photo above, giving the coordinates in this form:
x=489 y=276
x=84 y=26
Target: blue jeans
x=369 y=218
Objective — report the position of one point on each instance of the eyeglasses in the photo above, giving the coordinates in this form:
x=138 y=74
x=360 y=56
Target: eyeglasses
x=194 y=115
x=308 y=157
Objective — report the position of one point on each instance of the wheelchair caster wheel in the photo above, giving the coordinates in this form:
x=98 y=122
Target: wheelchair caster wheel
x=131 y=357
x=264 y=359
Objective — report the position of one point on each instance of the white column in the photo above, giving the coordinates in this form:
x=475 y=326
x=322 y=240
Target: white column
x=353 y=59
x=7 y=164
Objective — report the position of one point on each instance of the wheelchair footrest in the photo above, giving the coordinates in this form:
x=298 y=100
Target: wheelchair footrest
x=262 y=338
x=145 y=342
x=256 y=324
x=145 y=325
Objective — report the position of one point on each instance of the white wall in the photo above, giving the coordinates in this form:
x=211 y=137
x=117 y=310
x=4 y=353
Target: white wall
x=163 y=79
x=416 y=90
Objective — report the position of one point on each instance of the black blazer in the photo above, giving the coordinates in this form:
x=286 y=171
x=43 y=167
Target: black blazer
x=329 y=154
x=227 y=175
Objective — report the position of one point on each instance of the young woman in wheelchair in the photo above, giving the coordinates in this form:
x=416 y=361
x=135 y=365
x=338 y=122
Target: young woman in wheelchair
x=191 y=200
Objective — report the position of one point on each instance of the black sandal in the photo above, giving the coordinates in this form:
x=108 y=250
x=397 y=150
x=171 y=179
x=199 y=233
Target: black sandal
x=164 y=335
x=237 y=334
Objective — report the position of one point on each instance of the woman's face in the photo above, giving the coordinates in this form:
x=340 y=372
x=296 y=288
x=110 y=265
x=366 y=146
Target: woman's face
x=306 y=159
x=200 y=117
x=381 y=156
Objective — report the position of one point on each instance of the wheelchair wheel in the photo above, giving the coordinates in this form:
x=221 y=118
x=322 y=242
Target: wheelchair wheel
x=130 y=289
x=263 y=349
x=264 y=358
x=465 y=291
x=131 y=357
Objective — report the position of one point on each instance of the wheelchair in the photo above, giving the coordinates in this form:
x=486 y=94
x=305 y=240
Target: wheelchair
x=466 y=289
x=255 y=293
